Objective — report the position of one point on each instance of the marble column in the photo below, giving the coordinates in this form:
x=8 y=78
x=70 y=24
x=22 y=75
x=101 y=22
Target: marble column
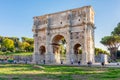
x=36 y=55
x=85 y=52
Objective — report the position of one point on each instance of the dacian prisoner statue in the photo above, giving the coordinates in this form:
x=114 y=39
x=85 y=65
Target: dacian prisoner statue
x=74 y=28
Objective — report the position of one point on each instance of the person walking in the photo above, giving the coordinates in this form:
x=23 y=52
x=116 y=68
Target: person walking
x=71 y=61
x=78 y=62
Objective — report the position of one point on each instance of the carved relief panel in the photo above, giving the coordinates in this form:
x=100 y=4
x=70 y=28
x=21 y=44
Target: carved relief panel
x=77 y=35
x=58 y=19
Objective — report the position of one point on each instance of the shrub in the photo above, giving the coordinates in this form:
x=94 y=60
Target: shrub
x=19 y=51
x=10 y=60
x=1 y=53
x=7 y=52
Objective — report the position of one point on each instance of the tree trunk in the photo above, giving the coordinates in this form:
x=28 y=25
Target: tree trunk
x=113 y=53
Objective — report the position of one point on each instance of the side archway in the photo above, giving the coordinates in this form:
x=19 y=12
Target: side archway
x=42 y=51
x=77 y=52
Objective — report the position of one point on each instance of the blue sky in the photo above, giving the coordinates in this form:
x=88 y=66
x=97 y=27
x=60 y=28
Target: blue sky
x=16 y=16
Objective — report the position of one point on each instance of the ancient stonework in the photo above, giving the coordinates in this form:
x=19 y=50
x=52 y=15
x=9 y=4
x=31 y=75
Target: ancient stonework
x=76 y=26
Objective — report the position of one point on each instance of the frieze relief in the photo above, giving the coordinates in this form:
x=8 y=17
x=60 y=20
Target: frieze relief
x=58 y=19
x=42 y=38
x=62 y=18
x=53 y=31
x=77 y=35
x=78 y=13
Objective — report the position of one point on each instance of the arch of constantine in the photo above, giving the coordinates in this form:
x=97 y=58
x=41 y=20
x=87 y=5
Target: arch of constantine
x=73 y=27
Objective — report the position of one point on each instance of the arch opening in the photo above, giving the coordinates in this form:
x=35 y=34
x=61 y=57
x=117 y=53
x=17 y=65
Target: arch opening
x=77 y=52
x=59 y=48
x=42 y=52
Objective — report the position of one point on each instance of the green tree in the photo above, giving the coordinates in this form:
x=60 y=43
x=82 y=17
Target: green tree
x=1 y=41
x=8 y=44
x=100 y=51
x=62 y=47
x=30 y=41
x=19 y=46
x=112 y=43
x=116 y=30
x=25 y=46
x=16 y=41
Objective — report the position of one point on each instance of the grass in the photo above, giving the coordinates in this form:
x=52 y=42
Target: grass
x=20 y=54
x=118 y=60
x=47 y=72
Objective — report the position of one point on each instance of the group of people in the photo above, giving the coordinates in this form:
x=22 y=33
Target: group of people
x=71 y=61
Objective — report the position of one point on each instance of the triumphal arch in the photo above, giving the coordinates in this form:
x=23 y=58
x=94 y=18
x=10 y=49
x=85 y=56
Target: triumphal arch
x=73 y=27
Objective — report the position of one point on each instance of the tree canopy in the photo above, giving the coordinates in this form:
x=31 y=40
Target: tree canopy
x=116 y=30
x=112 y=42
x=8 y=44
x=14 y=44
x=100 y=51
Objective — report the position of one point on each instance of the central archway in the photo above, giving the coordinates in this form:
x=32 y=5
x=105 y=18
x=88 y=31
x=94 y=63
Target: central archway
x=59 y=48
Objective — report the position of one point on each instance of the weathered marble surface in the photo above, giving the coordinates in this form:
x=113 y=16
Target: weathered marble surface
x=76 y=26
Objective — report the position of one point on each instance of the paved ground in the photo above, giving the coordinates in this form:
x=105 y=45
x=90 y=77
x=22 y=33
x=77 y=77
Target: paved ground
x=76 y=64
